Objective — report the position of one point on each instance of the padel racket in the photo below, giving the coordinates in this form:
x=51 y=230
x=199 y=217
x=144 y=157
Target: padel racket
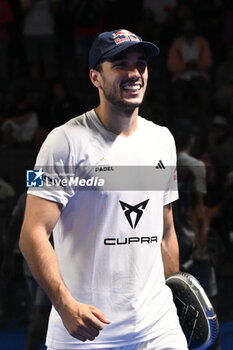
x=195 y=311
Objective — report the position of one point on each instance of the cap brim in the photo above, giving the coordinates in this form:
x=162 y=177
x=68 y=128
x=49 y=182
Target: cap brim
x=149 y=48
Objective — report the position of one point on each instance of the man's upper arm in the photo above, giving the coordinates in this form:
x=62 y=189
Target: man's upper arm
x=41 y=214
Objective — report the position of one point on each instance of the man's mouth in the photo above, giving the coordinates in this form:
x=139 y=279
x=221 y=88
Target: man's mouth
x=131 y=86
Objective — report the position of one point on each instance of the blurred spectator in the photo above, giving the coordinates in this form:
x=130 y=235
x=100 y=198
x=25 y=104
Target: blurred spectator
x=39 y=313
x=228 y=23
x=160 y=14
x=158 y=22
x=189 y=61
x=60 y=107
x=22 y=123
x=190 y=212
x=206 y=13
x=154 y=105
x=161 y=10
x=65 y=58
x=224 y=85
x=215 y=178
x=210 y=16
x=183 y=11
x=220 y=143
x=38 y=31
x=7 y=196
x=214 y=198
x=223 y=221
x=88 y=23
x=6 y=190
x=6 y=17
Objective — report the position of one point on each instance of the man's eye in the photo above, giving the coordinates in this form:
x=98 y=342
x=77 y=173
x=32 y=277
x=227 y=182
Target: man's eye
x=142 y=64
x=122 y=64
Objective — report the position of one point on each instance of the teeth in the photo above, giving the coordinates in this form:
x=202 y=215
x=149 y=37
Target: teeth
x=132 y=87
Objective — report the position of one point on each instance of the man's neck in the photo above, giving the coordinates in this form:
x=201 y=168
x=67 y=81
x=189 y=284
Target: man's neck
x=118 y=121
x=187 y=150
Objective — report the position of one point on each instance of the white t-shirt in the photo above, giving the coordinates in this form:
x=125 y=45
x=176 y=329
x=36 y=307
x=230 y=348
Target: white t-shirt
x=189 y=52
x=109 y=254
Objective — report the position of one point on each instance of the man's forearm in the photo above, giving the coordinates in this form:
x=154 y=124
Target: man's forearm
x=169 y=246
x=43 y=264
x=170 y=255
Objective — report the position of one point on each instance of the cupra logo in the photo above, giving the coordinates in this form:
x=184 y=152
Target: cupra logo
x=137 y=209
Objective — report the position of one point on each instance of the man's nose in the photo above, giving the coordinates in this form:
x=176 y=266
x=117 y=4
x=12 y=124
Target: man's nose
x=134 y=71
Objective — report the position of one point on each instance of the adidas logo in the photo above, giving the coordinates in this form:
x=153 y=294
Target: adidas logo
x=160 y=165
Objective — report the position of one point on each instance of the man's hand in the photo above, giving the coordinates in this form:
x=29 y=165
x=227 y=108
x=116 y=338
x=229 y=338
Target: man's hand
x=82 y=321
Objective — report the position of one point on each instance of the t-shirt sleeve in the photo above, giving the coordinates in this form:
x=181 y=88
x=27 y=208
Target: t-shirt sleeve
x=171 y=193
x=56 y=160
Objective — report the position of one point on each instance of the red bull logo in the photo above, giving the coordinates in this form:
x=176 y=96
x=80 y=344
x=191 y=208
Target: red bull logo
x=124 y=35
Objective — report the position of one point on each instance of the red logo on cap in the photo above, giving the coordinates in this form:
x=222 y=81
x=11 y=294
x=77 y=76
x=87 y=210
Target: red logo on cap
x=124 y=35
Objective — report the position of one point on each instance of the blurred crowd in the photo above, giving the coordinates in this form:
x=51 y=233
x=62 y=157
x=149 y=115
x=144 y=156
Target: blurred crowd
x=44 y=46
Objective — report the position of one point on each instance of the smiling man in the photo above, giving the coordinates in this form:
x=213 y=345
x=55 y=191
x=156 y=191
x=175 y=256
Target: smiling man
x=113 y=246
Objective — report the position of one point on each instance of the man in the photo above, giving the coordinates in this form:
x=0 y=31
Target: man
x=189 y=61
x=22 y=123
x=39 y=35
x=190 y=211
x=106 y=281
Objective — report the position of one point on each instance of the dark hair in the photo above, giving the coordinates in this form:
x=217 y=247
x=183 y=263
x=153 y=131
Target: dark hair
x=98 y=66
x=183 y=130
x=182 y=140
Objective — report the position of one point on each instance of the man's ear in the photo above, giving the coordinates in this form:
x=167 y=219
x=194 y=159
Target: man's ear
x=95 y=78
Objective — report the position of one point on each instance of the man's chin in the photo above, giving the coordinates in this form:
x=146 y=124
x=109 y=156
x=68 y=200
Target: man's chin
x=126 y=104
x=129 y=106
x=132 y=102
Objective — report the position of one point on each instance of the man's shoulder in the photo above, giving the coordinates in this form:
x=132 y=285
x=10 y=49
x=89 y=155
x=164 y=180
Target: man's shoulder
x=67 y=137
x=79 y=120
x=76 y=125
x=191 y=165
x=186 y=158
x=153 y=127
